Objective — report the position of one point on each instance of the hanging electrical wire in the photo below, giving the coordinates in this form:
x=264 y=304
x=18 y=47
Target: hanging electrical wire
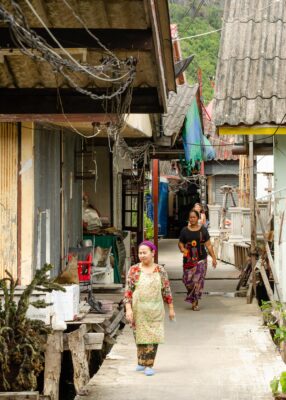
x=111 y=70
x=118 y=74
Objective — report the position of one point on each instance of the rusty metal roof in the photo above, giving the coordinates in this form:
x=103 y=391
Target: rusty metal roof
x=251 y=70
x=178 y=104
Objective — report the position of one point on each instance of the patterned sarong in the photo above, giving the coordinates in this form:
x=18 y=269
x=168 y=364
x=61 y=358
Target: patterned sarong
x=193 y=279
x=146 y=354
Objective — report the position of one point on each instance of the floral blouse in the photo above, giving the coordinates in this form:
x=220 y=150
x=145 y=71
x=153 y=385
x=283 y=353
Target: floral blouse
x=133 y=278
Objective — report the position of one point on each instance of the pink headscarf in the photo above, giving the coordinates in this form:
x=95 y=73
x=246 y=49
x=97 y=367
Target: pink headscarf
x=148 y=244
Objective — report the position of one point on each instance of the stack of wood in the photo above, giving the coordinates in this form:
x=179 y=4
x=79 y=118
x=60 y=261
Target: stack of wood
x=92 y=332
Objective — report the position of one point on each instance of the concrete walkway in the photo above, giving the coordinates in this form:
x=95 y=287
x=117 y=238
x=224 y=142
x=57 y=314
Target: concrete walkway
x=220 y=353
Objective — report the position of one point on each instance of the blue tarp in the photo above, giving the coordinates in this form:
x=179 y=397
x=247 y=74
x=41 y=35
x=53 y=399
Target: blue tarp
x=162 y=208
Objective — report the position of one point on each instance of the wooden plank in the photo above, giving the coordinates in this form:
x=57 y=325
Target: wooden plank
x=53 y=358
x=110 y=340
x=93 y=338
x=116 y=297
x=90 y=319
x=249 y=294
x=107 y=286
x=19 y=396
x=115 y=321
x=123 y=39
x=92 y=341
x=79 y=359
x=95 y=346
x=266 y=281
x=24 y=102
x=98 y=328
x=115 y=331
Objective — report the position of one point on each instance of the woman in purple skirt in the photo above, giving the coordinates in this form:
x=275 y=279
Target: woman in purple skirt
x=193 y=241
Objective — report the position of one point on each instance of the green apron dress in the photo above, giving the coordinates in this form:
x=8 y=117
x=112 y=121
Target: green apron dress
x=148 y=309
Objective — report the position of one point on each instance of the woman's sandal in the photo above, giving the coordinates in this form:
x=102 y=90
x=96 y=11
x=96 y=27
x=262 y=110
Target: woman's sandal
x=149 y=371
x=195 y=306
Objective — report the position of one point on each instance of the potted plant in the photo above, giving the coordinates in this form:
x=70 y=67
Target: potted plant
x=278 y=386
x=22 y=340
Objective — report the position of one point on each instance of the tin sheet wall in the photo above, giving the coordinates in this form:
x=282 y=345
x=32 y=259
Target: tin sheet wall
x=8 y=198
x=47 y=247
x=56 y=190
x=72 y=193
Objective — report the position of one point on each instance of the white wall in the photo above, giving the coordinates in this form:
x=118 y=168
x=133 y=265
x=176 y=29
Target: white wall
x=264 y=164
x=99 y=192
x=119 y=164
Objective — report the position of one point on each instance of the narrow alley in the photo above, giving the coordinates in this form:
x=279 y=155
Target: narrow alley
x=220 y=353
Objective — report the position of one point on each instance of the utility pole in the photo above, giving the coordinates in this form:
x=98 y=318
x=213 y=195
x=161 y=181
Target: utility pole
x=252 y=211
x=155 y=196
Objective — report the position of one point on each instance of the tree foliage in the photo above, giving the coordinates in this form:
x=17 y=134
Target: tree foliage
x=190 y=22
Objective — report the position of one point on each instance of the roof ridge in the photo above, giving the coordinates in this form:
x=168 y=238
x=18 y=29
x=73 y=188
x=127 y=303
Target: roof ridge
x=249 y=98
x=239 y=19
x=251 y=58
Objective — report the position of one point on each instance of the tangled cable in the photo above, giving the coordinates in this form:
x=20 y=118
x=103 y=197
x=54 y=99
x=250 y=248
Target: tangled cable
x=118 y=73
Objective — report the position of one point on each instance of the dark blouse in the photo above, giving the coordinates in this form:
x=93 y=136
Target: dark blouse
x=194 y=242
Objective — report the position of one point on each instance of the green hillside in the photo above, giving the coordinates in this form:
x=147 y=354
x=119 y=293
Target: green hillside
x=193 y=20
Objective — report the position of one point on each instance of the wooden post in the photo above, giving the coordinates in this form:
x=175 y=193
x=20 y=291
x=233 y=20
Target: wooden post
x=53 y=361
x=155 y=194
x=269 y=255
x=252 y=212
x=76 y=345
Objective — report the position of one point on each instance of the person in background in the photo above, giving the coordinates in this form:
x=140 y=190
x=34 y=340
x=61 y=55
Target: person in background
x=199 y=208
x=148 y=287
x=193 y=241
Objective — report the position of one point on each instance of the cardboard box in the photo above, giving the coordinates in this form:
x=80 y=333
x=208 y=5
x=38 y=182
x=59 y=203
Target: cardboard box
x=66 y=304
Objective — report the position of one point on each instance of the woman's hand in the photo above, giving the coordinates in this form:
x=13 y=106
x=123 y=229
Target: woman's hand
x=214 y=262
x=172 y=314
x=185 y=252
x=129 y=315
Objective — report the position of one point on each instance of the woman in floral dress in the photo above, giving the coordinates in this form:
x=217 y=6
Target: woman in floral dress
x=147 y=289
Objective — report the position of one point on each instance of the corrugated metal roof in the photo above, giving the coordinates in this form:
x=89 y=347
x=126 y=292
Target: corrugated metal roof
x=222 y=144
x=178 y=105
x=251 y=70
